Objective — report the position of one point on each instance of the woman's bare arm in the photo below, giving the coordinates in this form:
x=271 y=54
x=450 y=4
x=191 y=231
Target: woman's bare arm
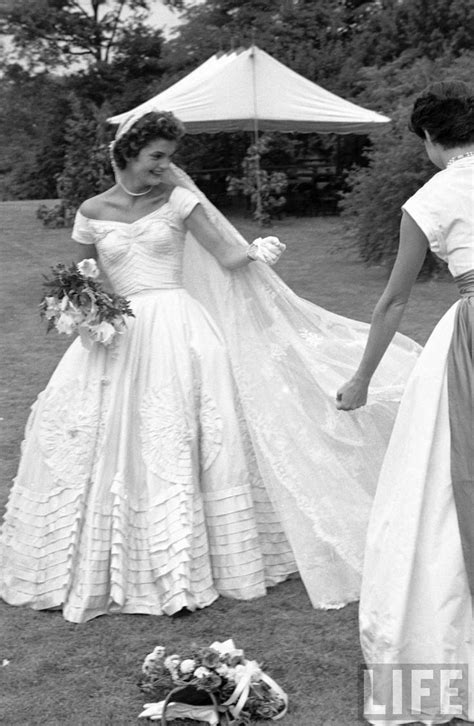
x=388 y=312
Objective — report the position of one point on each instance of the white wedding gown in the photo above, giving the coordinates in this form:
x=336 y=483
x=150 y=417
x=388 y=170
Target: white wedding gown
x=416 y=605
x=185 y=463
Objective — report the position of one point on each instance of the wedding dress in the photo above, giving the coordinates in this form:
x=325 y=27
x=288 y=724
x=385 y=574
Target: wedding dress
x=203 y=454
x=416 y=603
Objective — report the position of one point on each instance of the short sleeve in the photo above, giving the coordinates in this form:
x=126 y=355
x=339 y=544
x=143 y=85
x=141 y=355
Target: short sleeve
x=81 y=231
x=422 y=208
x=183 y=202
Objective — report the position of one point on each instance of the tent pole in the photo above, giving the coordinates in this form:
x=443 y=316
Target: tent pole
x=257 y=168
x=255 y=133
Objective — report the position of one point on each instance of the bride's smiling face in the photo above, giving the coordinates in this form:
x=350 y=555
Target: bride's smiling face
x=151 y=162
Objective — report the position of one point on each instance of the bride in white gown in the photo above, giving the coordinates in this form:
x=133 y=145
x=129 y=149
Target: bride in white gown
x=201 y=456
x=418 y=581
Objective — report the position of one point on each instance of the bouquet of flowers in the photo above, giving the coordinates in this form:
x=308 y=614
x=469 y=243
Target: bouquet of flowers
x=76 y=303
x=216 y=684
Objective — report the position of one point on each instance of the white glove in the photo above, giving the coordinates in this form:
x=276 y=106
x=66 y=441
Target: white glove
x=266 y=249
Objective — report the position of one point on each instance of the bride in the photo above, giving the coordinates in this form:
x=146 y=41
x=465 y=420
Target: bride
x=201 y=456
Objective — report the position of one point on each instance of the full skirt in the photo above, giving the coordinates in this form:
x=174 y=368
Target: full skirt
x=416 y=605
x=137 y=490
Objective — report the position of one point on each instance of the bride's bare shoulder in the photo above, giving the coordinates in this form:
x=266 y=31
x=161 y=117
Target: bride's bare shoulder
x=97 y=207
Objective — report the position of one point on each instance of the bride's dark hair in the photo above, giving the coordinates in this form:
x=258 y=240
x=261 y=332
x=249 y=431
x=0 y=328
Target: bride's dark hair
x=446 y=110
x=149 y=127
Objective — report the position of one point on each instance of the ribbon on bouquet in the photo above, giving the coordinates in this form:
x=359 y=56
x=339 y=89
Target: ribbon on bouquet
x=241 y=692
x=250 y=671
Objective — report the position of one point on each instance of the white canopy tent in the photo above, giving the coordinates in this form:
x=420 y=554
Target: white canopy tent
x=249 y=90
x=239 y=90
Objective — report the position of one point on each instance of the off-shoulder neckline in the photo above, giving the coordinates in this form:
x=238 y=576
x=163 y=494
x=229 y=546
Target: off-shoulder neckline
x=140 y=219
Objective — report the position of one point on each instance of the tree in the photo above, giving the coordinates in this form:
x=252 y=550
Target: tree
x=121 y=63
x=304 y=34
x=57 y=33
x=32 y=116
x=430 y=28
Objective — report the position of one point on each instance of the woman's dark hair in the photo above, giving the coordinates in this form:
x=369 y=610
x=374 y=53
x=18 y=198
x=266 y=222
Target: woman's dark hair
x=149 y=127
x=446 y=110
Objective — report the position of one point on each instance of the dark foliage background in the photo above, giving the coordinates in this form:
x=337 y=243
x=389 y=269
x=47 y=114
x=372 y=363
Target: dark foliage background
x=69 y=66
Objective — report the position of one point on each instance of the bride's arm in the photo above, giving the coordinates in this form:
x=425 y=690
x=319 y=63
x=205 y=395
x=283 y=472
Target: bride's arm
x=387 y=313
x=227 y=255
x=85 y=252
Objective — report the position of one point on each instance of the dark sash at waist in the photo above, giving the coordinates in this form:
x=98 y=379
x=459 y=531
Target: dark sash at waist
x=465 y=283
x=461 y=417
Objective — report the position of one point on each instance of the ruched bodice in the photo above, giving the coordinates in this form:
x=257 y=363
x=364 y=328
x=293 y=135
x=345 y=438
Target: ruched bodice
x=143 y=255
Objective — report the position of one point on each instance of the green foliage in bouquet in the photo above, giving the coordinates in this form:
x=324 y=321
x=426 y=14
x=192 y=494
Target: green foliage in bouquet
x=83 y=292
x=75 y=302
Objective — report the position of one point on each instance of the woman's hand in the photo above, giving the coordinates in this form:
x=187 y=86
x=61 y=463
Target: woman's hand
x=352 y=394
x=266 y=249
x=229 y=255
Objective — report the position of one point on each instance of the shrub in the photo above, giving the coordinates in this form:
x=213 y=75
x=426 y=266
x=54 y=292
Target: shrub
x=397 y=167
x=256 y=182
x=86 y=168
x=396 y=162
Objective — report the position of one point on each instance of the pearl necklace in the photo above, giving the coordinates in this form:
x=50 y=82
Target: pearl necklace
x=459 y=156
x=133 y=194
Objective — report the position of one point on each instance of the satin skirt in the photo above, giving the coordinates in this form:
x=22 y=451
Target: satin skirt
x=416 y=605
x=138 y=490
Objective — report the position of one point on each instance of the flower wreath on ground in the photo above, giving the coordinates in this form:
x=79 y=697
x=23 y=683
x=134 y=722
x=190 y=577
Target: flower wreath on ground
x=76 y=302
x=215 y=684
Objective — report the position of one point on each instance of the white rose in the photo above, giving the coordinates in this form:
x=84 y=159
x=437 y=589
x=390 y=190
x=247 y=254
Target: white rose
x=223 y=670
x=202 y=672
x=103 y=333
x=52 y=307
x=158 y=652
x=187 y=665
x=89 y=268
x=66 y=324
x=172 y=662
x=152 y=658
x=66 y=306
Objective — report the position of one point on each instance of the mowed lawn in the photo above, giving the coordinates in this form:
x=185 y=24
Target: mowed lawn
x=59 y=673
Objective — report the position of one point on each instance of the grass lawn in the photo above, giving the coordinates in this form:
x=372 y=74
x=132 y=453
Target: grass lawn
x=64 y=674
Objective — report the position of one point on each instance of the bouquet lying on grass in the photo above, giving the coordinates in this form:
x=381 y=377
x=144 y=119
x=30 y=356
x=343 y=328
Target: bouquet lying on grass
x=77 y=303
x=216 y=684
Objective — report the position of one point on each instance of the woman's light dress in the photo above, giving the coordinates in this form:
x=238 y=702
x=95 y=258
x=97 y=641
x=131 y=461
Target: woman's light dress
x=416 y=604
x=148 y=482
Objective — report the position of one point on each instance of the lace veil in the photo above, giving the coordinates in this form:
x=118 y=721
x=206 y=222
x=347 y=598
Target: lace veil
x=319 y=465
x=289 y=356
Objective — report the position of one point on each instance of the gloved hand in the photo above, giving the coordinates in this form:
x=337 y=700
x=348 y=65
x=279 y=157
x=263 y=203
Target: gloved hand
x=266 y=249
